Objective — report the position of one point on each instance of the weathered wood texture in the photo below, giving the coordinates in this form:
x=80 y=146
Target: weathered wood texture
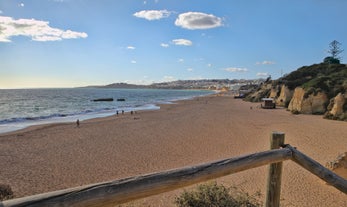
x=273 y=191
x=121 y=191
x=318 y=170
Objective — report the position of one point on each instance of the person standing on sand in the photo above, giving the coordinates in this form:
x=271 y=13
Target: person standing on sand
x=78 y=123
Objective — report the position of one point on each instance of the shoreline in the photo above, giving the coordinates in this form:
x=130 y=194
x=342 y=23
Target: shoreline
x=189 y=132
x=27 y=123
x=51 y=123
x=16 y=121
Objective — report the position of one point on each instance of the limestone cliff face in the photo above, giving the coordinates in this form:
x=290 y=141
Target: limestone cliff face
x=311 y=104
x=296 y=101
x=274 y=92
x=285 y=96
x=337 y=107
x=262 y=92
x=339 y=101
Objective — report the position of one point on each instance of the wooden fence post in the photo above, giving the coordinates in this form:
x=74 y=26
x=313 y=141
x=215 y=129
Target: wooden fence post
x=273 y=190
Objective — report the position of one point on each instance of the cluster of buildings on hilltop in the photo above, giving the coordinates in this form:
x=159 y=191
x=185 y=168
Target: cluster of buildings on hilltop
x=208 y=84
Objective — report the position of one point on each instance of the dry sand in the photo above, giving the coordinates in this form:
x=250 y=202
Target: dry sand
x=53 y=157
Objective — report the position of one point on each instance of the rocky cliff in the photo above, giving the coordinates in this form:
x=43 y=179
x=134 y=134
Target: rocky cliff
x=285 y=96
x=304 y=103
x=337 y=108
x=315 y=89
x=262 y=92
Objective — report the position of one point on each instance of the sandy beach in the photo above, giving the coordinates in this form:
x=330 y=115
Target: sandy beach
x=52 y=157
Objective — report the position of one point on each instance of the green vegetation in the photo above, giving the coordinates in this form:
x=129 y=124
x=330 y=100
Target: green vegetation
x=329 y=78
x=216 y=195
x=331 y=60
x=5 y=192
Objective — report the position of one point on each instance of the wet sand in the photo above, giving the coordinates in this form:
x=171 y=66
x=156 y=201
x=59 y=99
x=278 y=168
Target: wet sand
x=57 y=156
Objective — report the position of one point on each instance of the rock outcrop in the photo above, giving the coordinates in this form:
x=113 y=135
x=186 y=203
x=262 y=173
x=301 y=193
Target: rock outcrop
x=339 y=165
x=274 y=92
x=337 y=109
x=304 y=103
x=308 y=90
x=263 y=91
x=285 y=96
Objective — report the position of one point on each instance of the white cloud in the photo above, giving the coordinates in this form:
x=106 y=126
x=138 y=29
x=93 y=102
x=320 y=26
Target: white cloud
x=21 y=5
x=144 y=2
x=263 y=74
x=181 y=60
x=131 y=47
x=36 y=29
x=0 y=12
x=184 y=42
x=168 y=78
x=133 y=61
x=209 y=65
x=198 y=20
x=265 y=62
x=233 y=70
x=164 y=45
x=190 y=69
x=144 y=81
x=196 y=78
x=152 y=14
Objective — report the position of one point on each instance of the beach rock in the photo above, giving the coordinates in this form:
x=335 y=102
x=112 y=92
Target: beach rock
x=339 y=165
x=262 y=92
x=337 y=108
x=302 y=102
x=274 y=92
x=285 y=96
x=103 y=99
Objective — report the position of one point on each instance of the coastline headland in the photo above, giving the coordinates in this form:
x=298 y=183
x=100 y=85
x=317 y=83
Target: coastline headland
x=57 y=156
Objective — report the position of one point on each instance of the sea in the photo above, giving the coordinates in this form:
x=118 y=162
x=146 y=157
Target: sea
x=21 y=108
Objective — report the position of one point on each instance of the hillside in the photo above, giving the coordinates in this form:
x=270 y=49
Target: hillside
x=211 y=84
x=331 y=78
x=316 y=89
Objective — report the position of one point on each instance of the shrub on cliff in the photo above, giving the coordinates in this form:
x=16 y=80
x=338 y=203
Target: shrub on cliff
x=323 y=71
x=5 y=192
x=330 y=78
x=331 y=60
x=214 y=195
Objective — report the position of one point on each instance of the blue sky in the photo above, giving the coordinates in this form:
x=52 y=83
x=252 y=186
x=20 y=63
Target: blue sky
x=69 y=43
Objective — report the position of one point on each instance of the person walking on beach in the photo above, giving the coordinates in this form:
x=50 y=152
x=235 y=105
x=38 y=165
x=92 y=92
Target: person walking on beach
x=78 y=123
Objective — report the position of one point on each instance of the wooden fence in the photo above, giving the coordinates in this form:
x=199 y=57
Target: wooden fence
x=125 y=190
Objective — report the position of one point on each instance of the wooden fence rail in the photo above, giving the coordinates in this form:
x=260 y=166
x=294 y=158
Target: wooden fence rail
x=124 y=190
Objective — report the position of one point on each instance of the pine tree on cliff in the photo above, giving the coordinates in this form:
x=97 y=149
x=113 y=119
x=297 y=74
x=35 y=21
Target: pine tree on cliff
x=334 y=51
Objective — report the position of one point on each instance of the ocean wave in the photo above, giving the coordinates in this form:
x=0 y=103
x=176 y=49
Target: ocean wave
x=51 y=116
x=23 y=108
x=89 y=113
